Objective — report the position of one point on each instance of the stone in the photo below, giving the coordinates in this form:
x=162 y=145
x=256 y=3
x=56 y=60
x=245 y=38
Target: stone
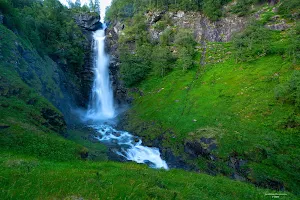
x=278 y=27
x=203 y=28
x=88 y=22
x=202 y=147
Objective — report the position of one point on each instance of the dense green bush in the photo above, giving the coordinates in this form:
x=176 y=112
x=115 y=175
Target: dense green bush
x=122 y=9
x=251 y=43
x=289 y=92
x=242 y=7
x=48 y=26
x=293 y=49
x=289 y=9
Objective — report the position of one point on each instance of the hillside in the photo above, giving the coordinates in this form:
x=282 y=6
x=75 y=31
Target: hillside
x=220 y=97
x=216 y=91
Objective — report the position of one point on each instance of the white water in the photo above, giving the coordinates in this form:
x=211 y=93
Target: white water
x=131 y=147
x=101 y=105
x=101 y=108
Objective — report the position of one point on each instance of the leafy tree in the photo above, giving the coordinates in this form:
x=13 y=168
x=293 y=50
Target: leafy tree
x=162 y=60
x=77 y=3
x=251 y=43
x=97 y=6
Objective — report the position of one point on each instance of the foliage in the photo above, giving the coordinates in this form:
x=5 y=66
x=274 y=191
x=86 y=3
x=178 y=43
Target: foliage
x=49 y=26
x=123 y=9
x=133 y=68
x=252 y=43
x=162 y=60
x=242 y=7
x=293 y=49
x=289 y=92
x=289 y=9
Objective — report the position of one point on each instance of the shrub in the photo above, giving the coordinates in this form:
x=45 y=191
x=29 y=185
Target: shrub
x=290 y=92
x=289 y=9
x=252 y=43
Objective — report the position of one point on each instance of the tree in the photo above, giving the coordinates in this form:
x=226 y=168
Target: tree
x=162 y=59
x=91 y=5
x=97 y=6
x=77 y=3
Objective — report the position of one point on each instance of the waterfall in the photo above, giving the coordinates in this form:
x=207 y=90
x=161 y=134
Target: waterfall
x=101 y=110
x=101 y=106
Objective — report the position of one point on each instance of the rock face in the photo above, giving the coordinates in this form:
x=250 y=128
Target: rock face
x=112 y=35
x=277 y=23
x=202 y=147
x=88 y=21
x=203 y=28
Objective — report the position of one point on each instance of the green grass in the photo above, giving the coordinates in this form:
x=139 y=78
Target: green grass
x=30 y=178
x=238 y=100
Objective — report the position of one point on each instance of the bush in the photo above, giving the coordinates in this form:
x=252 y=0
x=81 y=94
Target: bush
x=252 y=43
x=293 y=49
x=162 y=60
x=290 y=91
x=288 y=8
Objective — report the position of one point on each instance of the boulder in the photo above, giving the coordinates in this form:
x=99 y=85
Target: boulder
x=202 y=147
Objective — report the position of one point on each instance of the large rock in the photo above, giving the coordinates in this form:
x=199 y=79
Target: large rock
x=88 y=21
x=113 y=33
x=202 y=147
x=203 y=28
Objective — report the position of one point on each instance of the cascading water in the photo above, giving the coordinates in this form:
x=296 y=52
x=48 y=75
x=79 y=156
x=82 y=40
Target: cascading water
x=101 y=109
x=101 y=105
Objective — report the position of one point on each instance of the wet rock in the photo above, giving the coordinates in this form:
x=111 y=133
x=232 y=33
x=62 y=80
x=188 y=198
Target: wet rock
x=117 y=134
x=202 y=147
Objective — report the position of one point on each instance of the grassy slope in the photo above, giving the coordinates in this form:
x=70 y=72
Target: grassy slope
x=238 y=101
x=29 y=178
x=37 y=163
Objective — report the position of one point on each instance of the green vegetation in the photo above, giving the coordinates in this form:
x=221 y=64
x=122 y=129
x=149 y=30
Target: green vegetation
x=121 y=9
x=48 y=26
x=140 y=56
x=31 y=178
x=245 y=98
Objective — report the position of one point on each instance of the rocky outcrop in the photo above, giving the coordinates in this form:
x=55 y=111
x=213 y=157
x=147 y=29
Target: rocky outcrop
x=112 y=35
x=202 y=147
x=203 y=28
x=277 y=23
x=88 y=21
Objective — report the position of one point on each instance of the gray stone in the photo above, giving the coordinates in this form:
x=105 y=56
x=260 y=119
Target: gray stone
x=88 y=22
x=203 y=28
x=278 y=27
